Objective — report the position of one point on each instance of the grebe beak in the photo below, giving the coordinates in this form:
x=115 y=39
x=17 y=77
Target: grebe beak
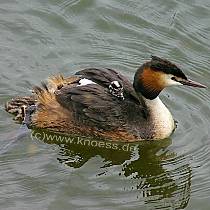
x=192 y=83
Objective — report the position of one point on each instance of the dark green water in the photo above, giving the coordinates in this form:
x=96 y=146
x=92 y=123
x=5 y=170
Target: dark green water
x=40 y=38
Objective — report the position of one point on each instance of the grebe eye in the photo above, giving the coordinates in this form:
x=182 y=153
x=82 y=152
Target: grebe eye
x=174 y=78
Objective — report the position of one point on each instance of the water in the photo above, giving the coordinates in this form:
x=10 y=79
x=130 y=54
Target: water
x=41 y=38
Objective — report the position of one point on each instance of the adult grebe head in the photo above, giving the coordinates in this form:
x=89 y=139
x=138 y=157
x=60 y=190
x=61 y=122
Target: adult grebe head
x=153 y=76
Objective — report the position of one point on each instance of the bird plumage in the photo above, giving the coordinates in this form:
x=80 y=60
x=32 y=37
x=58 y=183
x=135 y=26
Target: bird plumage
x=84 y=104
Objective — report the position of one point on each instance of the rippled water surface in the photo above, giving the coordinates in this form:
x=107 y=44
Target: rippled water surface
x=43 y=171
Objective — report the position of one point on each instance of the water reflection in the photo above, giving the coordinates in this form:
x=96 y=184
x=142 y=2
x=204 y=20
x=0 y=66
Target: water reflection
x=161 y=179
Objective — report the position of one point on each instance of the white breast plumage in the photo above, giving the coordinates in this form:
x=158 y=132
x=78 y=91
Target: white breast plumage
x=161 y=118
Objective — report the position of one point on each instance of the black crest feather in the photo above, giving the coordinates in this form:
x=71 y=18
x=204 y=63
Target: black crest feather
x=160 y=64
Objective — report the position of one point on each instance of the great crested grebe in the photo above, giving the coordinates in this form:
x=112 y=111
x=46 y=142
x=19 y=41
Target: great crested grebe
x=103 y=103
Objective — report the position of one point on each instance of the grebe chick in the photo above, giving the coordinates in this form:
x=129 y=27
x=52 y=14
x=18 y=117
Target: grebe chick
x=116 y=89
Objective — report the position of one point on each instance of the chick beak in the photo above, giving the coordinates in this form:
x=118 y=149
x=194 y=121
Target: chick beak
x=192 y=83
